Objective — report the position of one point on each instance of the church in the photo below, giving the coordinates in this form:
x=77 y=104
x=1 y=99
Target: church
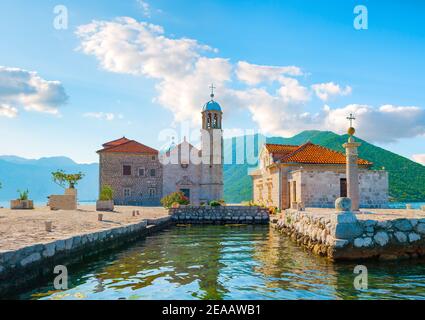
x=310 y=175
x=141 y=175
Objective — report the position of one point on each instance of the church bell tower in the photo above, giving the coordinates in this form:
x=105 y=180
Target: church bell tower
x=212 y=151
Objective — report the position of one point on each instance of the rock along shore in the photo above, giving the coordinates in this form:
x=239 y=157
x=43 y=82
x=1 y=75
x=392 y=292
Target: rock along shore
x=342 y=236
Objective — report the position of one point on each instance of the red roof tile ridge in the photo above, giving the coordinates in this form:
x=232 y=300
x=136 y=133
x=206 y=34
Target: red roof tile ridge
x=301 y=147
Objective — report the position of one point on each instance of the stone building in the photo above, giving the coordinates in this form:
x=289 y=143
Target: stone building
x=139 y=175
x=198 y=173
x=314 y=176
x=132 y=170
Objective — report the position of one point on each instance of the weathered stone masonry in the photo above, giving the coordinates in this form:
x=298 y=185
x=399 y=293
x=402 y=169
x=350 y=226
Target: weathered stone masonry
x=220 y=215
x=338 y=238
x=144 y=189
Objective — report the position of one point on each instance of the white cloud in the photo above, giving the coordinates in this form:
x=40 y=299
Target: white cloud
x=387 y=123
x=22 y=88
x=102 y=115
x=276 y=100
x=326 y=91
x=127 y=46
x=419 y=158
x=8 y=111
x=253 y=74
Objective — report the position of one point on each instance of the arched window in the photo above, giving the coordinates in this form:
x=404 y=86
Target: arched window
x=209 y=121
x=215 y=121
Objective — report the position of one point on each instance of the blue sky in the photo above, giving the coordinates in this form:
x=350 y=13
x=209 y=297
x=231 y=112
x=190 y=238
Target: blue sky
x=280 y=67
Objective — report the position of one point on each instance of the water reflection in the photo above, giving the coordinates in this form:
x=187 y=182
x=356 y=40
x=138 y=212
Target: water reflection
x=229 y=262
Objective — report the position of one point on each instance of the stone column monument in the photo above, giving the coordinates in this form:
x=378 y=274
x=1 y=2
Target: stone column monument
x=352 y=170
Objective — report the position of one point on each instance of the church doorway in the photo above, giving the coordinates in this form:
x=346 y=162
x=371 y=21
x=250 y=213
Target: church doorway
x=186 y=193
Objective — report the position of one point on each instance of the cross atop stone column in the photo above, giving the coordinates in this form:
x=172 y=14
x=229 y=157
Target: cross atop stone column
x=352 y=170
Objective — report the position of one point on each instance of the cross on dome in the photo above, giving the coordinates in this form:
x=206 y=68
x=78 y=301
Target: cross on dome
x=212 y=90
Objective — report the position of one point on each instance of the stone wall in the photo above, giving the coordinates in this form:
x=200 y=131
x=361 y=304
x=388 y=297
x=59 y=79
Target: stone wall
x=320 y=189
x=220 y=215
x=27 y=265
x=344 y=237
x=111 y=173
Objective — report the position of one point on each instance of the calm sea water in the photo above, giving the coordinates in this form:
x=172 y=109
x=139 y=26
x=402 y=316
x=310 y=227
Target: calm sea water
x=225 y=262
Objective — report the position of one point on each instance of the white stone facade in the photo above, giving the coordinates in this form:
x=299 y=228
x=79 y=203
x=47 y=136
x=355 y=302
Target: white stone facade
x=197 y=173
x=320 y=189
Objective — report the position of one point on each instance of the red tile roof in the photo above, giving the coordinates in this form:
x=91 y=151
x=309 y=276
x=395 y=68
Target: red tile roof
x=280 y=149
x=124 y=145
x=310 y=153
x=116 y=142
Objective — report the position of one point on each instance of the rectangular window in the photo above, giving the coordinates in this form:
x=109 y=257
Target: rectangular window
x=141 y=172
x=126 y=170
x=153 y=172
x=127 y=192
x=343 y=187
x=153 y=158
x=152 y=192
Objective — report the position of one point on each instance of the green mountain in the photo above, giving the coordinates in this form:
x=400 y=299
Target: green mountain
x=406 y=177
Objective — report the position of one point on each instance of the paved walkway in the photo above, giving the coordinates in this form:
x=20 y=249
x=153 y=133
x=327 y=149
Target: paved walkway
x=21 y=228
x=374 y=214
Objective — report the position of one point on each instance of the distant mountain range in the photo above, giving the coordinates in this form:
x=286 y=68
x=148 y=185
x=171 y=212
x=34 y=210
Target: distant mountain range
x=407 y=178
x=35 y=175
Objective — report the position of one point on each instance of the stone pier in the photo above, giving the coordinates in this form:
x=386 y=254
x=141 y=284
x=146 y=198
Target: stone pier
x=383 y=234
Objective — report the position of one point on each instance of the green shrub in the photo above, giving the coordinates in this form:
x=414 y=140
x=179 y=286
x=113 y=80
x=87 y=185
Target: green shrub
x=215 y=203
x=23 y=195
x=106 y=193
x=175 y=197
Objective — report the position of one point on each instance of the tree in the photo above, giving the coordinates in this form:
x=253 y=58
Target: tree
x=66 y=180
x=106 y=193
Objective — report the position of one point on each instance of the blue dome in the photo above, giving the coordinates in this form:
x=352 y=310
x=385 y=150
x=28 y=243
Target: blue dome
x=211 y=106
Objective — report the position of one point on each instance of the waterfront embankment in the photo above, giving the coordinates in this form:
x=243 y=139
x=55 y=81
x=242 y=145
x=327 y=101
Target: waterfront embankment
x=386 y=234
x=28 y=251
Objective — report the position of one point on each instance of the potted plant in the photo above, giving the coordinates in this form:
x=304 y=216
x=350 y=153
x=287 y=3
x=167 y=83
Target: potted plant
x=22 y=202
x=105 y=202
x=67 y=181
